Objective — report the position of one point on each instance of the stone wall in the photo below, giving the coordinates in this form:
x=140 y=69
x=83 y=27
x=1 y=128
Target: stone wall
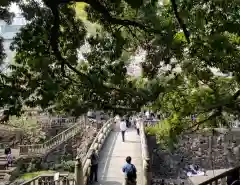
x=208 y=150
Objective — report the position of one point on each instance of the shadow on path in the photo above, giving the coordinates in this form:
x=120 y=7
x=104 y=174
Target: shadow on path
x=127 y=141
x=108 y=148
x=108 y=183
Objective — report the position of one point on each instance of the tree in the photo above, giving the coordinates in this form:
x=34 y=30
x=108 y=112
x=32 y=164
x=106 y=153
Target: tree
x=47 y=67
x=182 y=46
x=31 y=130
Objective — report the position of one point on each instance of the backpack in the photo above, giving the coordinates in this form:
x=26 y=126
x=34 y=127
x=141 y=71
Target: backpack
x=132 y=174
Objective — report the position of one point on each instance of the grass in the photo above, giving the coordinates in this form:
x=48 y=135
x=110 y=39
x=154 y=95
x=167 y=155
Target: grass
x=28 y=176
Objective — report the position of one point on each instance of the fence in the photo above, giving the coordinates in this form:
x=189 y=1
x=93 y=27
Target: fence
x=222 y=178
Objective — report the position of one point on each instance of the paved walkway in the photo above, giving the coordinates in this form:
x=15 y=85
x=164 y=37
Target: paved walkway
x=113 y=155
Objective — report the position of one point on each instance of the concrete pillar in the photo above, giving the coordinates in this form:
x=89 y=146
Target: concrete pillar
x=79 y=172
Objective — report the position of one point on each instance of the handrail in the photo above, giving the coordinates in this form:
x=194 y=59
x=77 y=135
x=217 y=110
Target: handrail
x=220 y=176
x=97 y=145
x=94 y=141
x=55 y=141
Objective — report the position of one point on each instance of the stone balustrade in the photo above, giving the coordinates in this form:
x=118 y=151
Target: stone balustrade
x=147 y=175
x=56 y=121
x=48 y=179
x=55 y=141
x=150 y=123
x=96 y=145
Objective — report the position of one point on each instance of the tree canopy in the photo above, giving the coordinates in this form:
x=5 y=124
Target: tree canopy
x=183 y=41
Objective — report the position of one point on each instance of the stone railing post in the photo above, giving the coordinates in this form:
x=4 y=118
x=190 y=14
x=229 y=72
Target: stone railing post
x=79 y=172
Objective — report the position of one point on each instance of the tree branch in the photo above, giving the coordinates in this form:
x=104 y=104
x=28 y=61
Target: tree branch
x=54 y=39
x=197 y=124
x=180 y=21
x=100 y=8
x=55 y=34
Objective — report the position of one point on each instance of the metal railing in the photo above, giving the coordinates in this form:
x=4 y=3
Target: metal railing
x=221 y=179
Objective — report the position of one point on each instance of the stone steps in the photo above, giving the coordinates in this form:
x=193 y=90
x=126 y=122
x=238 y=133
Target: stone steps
x=5 y=173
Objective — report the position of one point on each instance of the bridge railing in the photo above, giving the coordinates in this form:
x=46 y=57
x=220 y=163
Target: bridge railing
x=48 y=179
x=150 y=123
x=97 y=146
x=221 y=179
x=53 y=142
x=147 y=175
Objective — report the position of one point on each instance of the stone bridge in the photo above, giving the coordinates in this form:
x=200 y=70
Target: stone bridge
x=112 y=152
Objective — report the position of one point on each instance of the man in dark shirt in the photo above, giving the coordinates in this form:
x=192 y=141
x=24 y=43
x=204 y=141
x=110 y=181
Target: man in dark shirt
x=233 y=178
x=94 y=166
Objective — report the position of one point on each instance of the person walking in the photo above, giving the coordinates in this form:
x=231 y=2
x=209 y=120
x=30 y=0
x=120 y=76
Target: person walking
x=130 y=172
x=123 y=128
x=9 y=159
x=94 y=167
x=138 y=126
x=117 y=121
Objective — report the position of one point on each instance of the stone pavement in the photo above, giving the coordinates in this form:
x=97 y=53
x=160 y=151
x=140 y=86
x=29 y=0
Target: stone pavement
x=113 y=155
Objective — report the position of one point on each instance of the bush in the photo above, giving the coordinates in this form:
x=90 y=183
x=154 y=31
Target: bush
x=68 y=166
x=35 y=165
x=30 y=127
x=65 y=166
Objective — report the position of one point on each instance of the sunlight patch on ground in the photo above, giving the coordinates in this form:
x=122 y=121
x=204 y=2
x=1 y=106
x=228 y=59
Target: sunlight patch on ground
x=28 y=176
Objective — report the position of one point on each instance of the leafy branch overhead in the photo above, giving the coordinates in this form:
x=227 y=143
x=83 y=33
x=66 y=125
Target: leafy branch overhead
x=60 y=64
x=107 y=17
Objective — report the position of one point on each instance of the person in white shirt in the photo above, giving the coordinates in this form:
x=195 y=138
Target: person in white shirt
x=117 y=120
x=138 y=126
x=147 y=114
x=123 y=128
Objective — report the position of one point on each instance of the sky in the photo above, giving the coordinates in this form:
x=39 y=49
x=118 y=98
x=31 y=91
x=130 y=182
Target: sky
x=14 y=8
